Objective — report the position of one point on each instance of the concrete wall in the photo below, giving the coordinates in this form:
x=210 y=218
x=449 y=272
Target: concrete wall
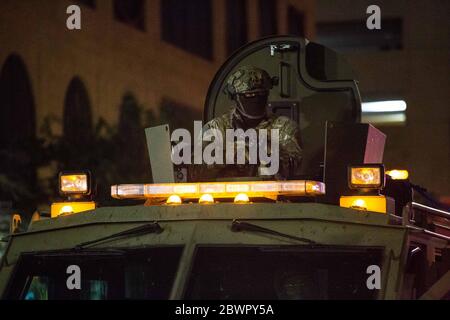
x=419 y=73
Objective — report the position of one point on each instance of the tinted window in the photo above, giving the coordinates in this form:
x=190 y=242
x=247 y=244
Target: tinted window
x=268 y=17
x=89 y=3
x=236 y=24
x=347 y=36
x=17 y=133
x=131 y=274
x=131 y=12
x=281 y=273
x=188 y=25
x=296 y=22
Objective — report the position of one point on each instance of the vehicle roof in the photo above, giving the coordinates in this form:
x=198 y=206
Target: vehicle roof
x=219 y=211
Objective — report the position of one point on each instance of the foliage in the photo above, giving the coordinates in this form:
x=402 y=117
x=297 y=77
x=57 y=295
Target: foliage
x=113 y=153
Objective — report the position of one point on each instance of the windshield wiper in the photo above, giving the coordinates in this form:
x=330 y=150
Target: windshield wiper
x=238 y=226
x=153 y=227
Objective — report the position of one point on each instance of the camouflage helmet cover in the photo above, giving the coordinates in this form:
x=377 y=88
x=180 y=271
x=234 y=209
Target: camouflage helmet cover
x=248 y=79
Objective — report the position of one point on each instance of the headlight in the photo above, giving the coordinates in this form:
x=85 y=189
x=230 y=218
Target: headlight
x=75 y=183
x=366 y=176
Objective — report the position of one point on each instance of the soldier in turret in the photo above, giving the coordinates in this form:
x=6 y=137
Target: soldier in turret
x=248 y=87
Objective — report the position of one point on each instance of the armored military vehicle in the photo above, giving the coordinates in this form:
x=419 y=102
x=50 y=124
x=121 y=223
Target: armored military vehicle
x=339 y=228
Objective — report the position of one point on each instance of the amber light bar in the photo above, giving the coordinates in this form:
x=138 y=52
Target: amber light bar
x=219 y=189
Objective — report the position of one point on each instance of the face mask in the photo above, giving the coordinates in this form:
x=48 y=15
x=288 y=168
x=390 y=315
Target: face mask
x=252 y=106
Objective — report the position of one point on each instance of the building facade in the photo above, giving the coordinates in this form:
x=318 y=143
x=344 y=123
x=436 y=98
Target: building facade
x=113 y=54
x=408 y=59
x=158 y=54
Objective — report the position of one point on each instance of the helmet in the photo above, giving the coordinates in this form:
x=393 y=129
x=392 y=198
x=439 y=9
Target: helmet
x=248 y=79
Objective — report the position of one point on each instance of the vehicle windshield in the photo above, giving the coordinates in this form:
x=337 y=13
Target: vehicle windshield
x=288 y=273
x=128 y=274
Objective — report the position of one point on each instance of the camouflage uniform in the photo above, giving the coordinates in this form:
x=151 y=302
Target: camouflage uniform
x=248 y=80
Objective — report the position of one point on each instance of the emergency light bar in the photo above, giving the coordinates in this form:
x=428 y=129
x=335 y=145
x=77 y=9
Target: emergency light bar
x=263 y=189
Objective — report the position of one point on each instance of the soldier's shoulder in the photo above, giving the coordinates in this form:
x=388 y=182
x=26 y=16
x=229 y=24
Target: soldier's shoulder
x=284 y=122
x=221 y=122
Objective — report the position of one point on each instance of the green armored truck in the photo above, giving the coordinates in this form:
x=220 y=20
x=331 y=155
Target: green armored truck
x=334 y=225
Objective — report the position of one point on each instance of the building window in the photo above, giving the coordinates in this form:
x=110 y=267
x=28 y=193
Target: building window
x=188 y=25
x=268 y=17
x=88 y=3
x=131 y=12
x=17 y=132
x=296 y=22
x=77 y=118
x=17 y=120
x=236 y=24
x=348 y=36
